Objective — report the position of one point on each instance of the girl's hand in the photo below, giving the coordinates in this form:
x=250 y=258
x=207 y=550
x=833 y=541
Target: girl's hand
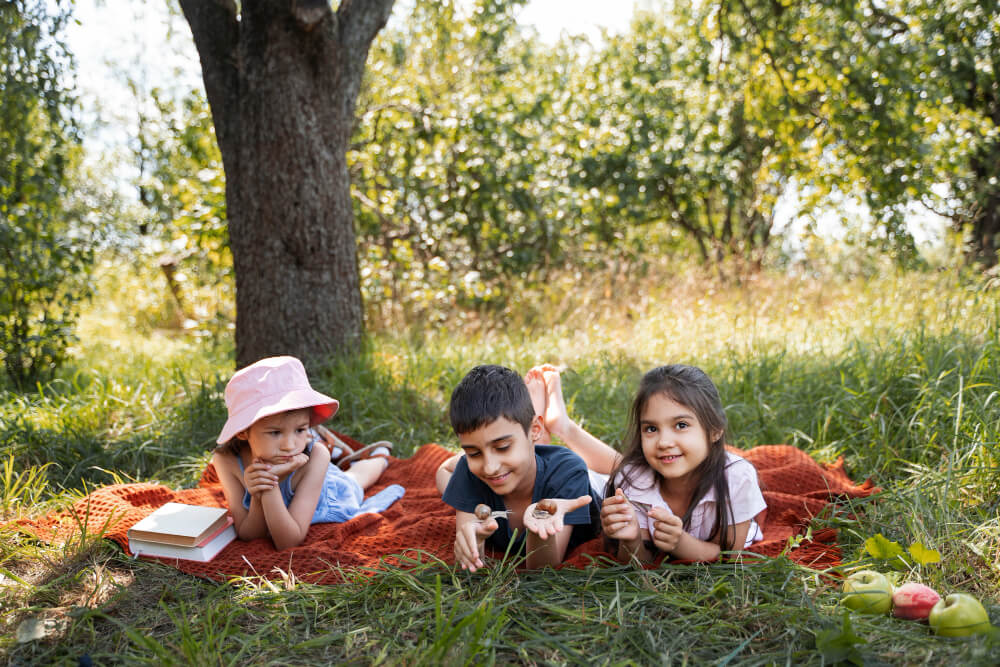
x=665 y=529
x=547 y=526
x=618 y=520
x=259 y=478
x=470 y=539
x=279 y=470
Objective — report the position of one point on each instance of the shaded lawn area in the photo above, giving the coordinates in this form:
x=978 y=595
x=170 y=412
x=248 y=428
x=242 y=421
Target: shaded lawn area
x=912 y=405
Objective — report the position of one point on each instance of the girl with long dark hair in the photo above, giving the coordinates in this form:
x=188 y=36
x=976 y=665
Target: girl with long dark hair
x=675 y=489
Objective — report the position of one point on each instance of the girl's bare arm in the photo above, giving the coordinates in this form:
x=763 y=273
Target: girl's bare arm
x=444 y=472
x=689 y=547
x=288 y=525
x=598 y=455
x=249 y=524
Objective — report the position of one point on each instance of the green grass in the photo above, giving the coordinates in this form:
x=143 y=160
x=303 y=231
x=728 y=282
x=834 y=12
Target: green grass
x=900 y=375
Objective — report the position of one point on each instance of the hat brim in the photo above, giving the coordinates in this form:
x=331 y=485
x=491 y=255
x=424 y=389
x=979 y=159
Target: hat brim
x=323 y=407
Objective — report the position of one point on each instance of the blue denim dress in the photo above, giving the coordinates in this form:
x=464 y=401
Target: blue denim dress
x=341 y=497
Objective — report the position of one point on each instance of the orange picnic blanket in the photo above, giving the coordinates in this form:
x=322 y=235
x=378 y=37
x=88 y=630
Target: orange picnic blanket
x=421 y=527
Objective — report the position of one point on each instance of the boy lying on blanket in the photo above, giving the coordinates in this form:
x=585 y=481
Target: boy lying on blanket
x=492 y=415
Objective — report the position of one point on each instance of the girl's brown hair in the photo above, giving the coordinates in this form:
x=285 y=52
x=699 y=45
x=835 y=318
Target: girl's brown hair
x=691 y=387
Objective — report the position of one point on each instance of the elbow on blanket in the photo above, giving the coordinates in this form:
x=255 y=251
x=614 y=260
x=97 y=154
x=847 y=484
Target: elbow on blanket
x=287 y=541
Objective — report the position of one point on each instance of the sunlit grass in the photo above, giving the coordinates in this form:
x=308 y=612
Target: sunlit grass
x=899 y=374
x=650 y=319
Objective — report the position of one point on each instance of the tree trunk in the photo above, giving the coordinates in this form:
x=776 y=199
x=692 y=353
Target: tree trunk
x=985 y=235
x=984 y=239
x=282 y=78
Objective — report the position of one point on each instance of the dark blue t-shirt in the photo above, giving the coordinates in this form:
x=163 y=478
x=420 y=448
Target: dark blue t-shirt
x=560 y=473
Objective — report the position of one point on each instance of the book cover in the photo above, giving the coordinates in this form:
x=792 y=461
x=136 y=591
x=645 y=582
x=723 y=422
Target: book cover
x=183 y=525
x=211 y=536
x=202 y=554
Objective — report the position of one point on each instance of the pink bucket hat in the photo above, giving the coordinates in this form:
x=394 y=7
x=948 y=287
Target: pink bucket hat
x=268 y=387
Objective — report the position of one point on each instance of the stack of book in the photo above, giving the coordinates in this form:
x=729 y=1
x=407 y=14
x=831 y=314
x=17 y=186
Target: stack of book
x=188 y=532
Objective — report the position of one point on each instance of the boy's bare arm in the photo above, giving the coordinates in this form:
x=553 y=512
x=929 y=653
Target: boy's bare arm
x=549 y=551
x=547 y=537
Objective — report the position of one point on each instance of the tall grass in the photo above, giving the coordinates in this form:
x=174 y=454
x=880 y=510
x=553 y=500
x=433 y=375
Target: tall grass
x=899 y=375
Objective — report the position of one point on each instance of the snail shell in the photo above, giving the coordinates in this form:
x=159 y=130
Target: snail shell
x=483 y=512
x=544 y=509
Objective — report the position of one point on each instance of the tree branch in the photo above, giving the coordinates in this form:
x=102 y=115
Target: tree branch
x=359 y=22
x=681 y=219
x=309 y=13
x=772 y=60
x=894 y=24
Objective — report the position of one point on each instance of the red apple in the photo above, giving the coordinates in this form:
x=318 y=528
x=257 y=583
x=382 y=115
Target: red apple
x=914 y=601
x=959 y=615
x=867 y=591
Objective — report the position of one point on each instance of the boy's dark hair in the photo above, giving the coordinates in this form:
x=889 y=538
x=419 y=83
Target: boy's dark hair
x=487 y=393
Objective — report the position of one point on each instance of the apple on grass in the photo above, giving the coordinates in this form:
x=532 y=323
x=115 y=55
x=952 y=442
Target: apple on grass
x=868 y=591
x=914 y=601
x=959 y=615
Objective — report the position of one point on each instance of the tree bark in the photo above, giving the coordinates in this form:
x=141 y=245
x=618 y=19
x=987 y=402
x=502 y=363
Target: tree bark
x=984 y=228
x=985 y=236
x=282 y=79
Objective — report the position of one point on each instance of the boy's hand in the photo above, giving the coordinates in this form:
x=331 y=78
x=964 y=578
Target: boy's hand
x=618 y=520
x=665 y=529
x=258 y=477
x=470 y=539
x=548 y=526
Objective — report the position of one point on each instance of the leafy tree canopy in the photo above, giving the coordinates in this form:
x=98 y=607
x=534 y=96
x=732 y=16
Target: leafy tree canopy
x=45 y=254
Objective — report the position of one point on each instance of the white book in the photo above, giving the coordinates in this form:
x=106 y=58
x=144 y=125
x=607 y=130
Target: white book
x=180 y=524
x=202 y=553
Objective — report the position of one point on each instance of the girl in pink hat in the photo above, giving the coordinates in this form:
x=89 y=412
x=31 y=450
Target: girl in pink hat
x=277 y=476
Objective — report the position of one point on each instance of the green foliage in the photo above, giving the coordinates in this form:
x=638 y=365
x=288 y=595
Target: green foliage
x=921 y=555
x=961 y=56
x=838 y=645
x=182 y=185
x=484 y=162
x=178 y=241
x=45 y=254
x=43 y=280
x=672 y=130
x=19 y=488
x=898 y=98
x=460 y=162
x=883 y=549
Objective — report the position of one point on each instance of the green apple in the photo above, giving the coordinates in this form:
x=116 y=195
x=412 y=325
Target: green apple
x=868 y=591
x=959 y=615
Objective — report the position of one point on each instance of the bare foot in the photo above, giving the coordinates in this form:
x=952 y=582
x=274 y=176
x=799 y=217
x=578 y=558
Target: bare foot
x=536 y=389
x=555 y=417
